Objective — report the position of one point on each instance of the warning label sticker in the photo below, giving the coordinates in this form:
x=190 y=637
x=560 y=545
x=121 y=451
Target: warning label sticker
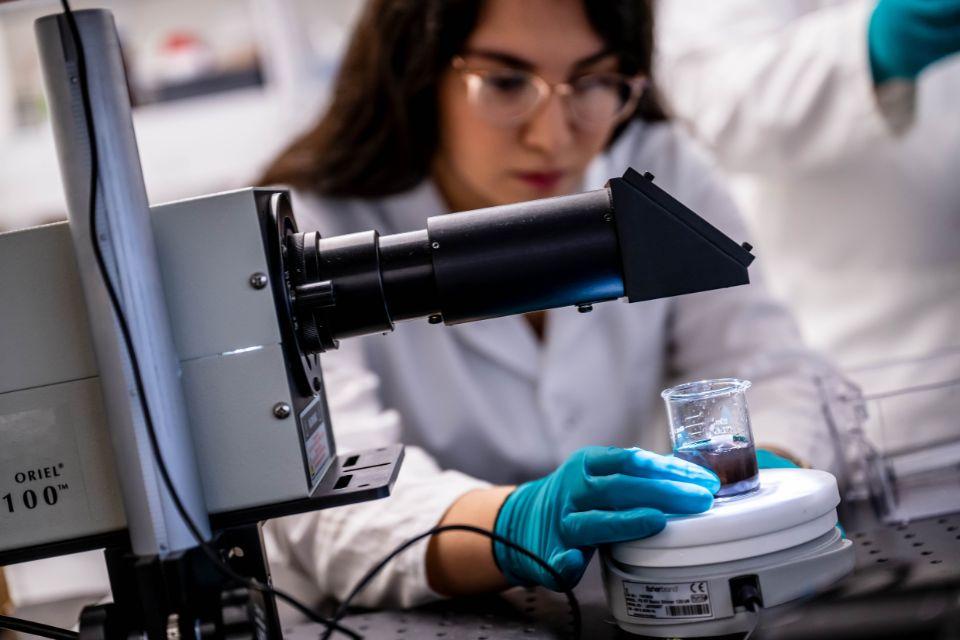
x=670 y=600
x=316 y=445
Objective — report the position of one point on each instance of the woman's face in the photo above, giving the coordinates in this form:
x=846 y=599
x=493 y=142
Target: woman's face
x=484 y=161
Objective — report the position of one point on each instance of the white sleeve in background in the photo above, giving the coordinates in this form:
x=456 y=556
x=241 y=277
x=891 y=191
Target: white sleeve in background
x=772 y=86
x=323 y=554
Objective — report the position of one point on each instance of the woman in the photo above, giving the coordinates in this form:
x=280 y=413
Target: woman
x=445 y=106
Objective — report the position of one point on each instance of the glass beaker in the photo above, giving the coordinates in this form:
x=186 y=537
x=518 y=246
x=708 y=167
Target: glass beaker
x=710 y=426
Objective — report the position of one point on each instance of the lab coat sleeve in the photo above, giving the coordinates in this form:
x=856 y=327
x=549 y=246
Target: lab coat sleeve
x=744 y=332
x=773 y=87
x=323 y=554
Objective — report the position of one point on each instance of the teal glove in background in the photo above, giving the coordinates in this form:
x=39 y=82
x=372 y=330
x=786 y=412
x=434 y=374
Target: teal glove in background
x=599 y=495
x=769 y=460
x=905 y=36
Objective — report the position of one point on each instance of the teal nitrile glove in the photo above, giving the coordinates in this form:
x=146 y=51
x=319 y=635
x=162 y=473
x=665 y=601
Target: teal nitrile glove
x=770 y=460
x=905 y=36
x=597 y=496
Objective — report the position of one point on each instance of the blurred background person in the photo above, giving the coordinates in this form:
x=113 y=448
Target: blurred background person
x=840 y=122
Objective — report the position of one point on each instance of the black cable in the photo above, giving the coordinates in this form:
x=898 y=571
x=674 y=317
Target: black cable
x=135 y=366
x=36 y=628
x=754 y=607
x=376 y=569
x=749 y=595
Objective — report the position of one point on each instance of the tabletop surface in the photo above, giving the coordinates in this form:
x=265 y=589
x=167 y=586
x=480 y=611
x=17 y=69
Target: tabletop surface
x=921 y=552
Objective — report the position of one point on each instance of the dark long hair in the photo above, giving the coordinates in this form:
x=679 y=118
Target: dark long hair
x=380 y=133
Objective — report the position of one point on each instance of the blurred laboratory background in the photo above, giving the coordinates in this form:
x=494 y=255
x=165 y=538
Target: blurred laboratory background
x=218 y=88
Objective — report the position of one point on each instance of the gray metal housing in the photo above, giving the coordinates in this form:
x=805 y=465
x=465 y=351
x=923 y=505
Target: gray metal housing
x=231 y=362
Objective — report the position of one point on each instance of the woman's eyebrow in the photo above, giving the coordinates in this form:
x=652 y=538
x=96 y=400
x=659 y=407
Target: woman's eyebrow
x=590 y=60
x=517 y=62
x=499 y=56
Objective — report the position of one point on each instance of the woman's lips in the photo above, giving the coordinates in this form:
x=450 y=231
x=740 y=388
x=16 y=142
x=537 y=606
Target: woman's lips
x=541 y=180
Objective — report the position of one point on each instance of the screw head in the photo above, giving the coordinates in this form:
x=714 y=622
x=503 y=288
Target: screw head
x=258 y=280
x=281 y=410
x=435 y=245
x=435 y=318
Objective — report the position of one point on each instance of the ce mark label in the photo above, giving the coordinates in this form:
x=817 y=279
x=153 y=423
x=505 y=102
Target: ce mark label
x=667 y=600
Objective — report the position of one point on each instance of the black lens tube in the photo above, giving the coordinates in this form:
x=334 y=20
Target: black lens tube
x=409 y=283
x=466 y=266
x=526 y=257
x=629 y=239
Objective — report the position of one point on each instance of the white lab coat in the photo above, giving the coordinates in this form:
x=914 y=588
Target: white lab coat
x=489 y=401
x=852 y=193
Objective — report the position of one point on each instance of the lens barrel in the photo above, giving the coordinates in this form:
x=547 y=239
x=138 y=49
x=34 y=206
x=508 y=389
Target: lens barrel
x=463 y=267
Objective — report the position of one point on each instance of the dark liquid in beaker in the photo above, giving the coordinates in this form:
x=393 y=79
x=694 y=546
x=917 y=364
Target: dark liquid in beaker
x=735 y=463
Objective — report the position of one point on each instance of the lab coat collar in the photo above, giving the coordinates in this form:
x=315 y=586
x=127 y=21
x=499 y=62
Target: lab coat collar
x=508 y=341
x=511 y=342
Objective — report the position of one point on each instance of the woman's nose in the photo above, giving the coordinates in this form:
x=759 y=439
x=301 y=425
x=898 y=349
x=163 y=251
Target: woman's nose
x=549 y=129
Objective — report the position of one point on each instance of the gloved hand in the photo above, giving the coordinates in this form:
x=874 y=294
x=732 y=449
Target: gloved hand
x=905 y=36
x=770 y=460
x=598 y=495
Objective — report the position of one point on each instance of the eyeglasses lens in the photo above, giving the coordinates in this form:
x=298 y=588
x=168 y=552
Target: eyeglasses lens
x=506 y=96
x=599 y=99
x=509 y=96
